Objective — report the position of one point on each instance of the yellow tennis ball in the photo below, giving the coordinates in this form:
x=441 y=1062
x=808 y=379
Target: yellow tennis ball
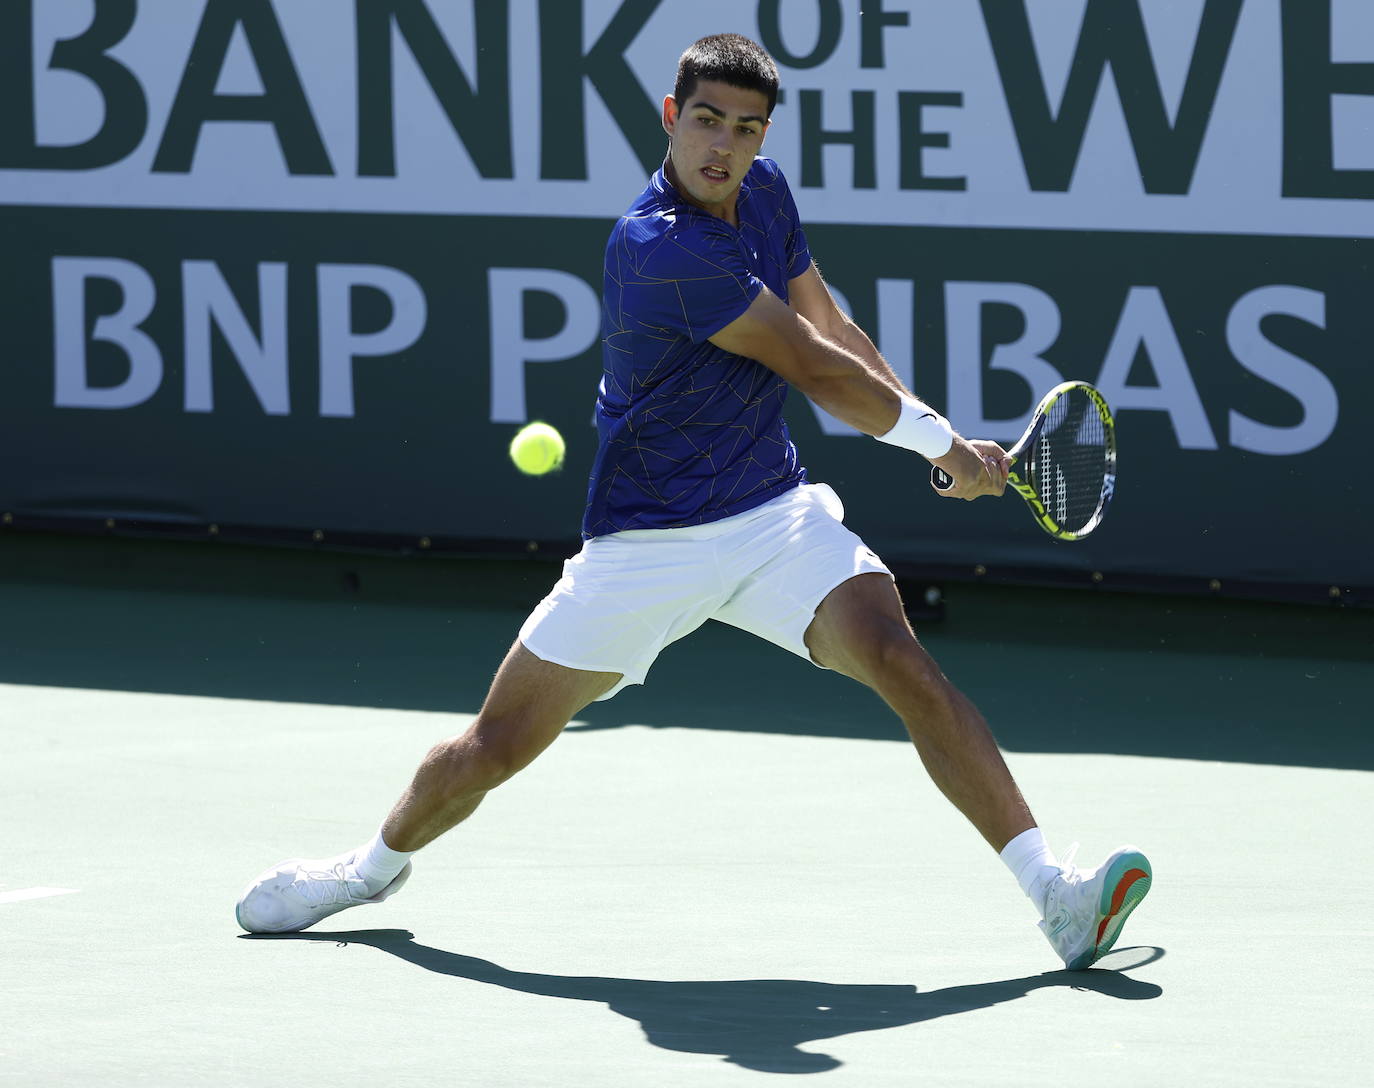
x=537 y=449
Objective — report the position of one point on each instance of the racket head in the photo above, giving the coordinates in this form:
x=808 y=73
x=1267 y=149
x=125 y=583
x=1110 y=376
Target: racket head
x=1064 y=466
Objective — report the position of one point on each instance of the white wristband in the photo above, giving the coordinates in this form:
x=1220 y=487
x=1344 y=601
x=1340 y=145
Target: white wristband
x=920 y=428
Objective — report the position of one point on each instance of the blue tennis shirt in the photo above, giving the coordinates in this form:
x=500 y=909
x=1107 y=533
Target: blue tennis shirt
x=690 y=433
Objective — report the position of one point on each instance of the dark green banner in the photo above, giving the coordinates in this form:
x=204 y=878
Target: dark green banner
x=359 y=376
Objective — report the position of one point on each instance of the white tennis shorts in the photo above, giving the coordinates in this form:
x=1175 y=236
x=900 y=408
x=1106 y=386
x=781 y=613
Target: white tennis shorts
x=627 y=595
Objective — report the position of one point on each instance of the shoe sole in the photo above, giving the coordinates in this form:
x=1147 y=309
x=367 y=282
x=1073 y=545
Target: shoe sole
x=1128 y=880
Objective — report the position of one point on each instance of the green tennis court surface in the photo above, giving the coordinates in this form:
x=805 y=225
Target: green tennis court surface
x=737 y=873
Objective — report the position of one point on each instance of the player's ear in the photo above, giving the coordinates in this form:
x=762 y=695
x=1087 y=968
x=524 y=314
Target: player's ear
x=669 y=113
x=764 y=134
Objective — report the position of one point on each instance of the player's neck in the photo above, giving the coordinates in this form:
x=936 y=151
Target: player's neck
x=726 y=210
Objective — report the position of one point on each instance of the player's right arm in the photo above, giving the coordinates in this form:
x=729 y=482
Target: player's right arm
x=849 y=388
x=809 y=295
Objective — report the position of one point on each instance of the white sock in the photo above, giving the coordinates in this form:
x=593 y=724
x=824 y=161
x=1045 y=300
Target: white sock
x=1032 y=863
x=377 y=864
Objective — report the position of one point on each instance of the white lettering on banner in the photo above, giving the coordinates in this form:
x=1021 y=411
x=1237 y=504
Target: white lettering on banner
x=1143 y=329
x=207 y=300
x=1215 y=116
x=340 y=345
x=73 y=389
x=1297 y=377
x=1144 y=326
x=512 y=347
x=964 y=303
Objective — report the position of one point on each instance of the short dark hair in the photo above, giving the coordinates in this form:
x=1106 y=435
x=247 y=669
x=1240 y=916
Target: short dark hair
x=727 y=58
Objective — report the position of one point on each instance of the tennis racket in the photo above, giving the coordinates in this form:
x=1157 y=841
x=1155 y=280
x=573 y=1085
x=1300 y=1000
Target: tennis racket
x=1064 y=466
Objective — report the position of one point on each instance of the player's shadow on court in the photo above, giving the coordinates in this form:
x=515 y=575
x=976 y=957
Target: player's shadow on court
x=758 y=1024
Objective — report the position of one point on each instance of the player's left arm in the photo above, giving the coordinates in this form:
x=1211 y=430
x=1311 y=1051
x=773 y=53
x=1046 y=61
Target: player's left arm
x=809 y=296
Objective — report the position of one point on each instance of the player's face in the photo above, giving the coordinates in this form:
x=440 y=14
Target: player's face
x=715 y=135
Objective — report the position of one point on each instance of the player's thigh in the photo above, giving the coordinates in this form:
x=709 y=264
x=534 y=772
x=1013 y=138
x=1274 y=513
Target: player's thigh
x=782 y=566
x=529 y=703
x=861 y=630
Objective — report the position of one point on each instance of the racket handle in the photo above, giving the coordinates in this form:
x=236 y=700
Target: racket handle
x=940 y=479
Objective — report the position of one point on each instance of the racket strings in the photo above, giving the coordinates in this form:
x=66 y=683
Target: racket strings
x=1068 y=461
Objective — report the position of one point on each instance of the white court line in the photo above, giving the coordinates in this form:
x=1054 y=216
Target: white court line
x=34 y=893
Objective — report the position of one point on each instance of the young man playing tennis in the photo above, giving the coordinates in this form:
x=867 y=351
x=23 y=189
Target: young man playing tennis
x=698 y=508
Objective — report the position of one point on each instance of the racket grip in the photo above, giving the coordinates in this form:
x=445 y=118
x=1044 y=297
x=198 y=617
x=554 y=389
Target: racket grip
x=940 y=479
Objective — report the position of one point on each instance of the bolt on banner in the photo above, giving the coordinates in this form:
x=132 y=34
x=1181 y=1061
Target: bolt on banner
x=303 y=264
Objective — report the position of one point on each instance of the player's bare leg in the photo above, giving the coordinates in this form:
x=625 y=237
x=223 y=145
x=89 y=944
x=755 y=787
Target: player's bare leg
x=529 y=703
x=860 y=630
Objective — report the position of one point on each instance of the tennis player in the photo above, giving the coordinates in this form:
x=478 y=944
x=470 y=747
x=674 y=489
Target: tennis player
x=698 y=508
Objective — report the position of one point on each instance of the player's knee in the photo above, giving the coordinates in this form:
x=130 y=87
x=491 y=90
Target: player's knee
x=884 y=652
x=900 y=664
x=479 y=761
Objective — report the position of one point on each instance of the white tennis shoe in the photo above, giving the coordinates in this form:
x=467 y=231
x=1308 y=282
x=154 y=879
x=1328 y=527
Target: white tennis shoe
x=1085 y=910
x=299 y=892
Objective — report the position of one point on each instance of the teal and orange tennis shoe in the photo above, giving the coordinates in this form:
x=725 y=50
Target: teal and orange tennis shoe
x=299 y=892
x=1085 y=910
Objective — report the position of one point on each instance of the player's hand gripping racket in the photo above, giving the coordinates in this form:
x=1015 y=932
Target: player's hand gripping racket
x=1064 y=466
